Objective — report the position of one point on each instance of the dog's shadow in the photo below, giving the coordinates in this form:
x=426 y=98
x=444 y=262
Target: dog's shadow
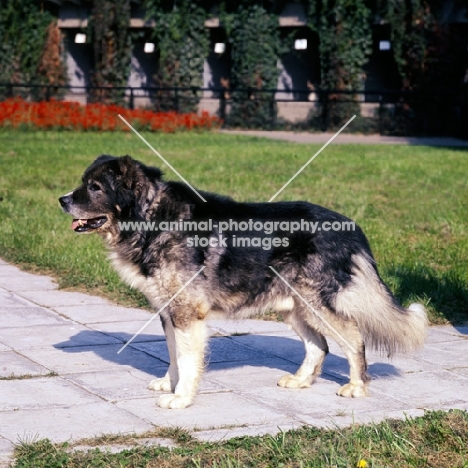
x=149 y=354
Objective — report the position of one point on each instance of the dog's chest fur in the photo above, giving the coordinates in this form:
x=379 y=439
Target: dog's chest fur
x=158 y=288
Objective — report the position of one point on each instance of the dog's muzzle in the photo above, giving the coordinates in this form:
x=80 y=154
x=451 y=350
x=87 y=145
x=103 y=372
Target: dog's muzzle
x=82 y=225
x=65 y=202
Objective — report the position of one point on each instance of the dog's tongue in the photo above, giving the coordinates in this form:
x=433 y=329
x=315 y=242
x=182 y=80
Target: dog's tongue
x=76 y=223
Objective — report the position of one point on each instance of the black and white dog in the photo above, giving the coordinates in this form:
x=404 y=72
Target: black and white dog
x=311 y=265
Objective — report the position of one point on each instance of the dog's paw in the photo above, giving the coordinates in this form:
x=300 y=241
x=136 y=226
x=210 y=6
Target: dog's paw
x=174 y=401
x=291 y=381
x=163 y=385
x=354 y=390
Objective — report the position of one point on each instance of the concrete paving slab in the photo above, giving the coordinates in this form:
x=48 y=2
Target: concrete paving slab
x=248 y=374
x=124 y=331
x=116 y=384
x=67 y=361
x=4 y=348
x=59 y=336
x=463 y=406
x=440 y=334
x=28 y=282
x=381 y=366
x=220 y=349
x=320 y=398
x=127 y=383
x=10 y=299
x=6 y=452
x=48 y=392
x=248 y=326
x=219 y=435
x=117 y=448
x=227 y=350
x=445 y=355
x=7 y=270
x=111 y=313
x=460 y=370
x=101 y=391
x=20 y=317
x=70 y=423
x=62 y=298
x=13 y=364
x=280 y=346
x=347 y=419
x=211 y=410
x=428 y=390
x=462 y=329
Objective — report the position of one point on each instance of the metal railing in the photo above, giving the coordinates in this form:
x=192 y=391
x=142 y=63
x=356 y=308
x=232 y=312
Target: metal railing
x=383 y=111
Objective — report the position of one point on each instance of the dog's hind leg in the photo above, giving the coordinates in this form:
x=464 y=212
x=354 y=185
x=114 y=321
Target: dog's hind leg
x=189 y=353
x=348 y=336
x=316 y=349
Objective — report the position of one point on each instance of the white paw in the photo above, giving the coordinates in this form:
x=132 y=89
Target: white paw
x=354 y=390
x=174 y=401
x=163 y=385
x=291 y=381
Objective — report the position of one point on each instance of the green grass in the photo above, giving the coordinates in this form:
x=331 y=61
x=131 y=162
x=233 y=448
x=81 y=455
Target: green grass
x=435 y=440
x=412 y=203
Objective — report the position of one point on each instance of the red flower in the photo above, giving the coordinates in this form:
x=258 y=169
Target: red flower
x=72 y=116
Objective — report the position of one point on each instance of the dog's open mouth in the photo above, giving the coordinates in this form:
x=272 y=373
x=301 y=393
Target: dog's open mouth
x=86 y=225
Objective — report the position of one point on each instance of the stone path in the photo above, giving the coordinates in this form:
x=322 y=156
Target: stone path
x=77 y=386
x=349 y=138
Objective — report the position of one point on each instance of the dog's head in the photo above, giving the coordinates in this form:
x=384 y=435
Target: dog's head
x=112 y=189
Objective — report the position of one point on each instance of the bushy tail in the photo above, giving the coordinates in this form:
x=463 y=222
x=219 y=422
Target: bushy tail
x=383 y=322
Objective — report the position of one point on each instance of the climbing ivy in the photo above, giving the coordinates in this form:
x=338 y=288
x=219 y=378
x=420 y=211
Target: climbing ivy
x=183 y=44
x=427 y=61
x=410 y=26
x=24 y=32
x=345 y=41
x=253 y=35
x=109 y=31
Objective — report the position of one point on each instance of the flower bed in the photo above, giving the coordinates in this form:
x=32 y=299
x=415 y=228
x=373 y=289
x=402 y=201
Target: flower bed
x=18 y=113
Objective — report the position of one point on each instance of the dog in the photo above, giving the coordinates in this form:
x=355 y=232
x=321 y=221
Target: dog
x=310 y=265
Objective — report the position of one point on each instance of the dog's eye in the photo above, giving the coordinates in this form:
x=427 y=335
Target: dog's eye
x=94 y=187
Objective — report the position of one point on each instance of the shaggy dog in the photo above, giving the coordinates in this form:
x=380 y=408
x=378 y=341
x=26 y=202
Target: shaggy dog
x=311 y=265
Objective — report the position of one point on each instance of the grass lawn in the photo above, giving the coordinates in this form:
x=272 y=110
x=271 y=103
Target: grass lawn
x=435 y=440
x=412 y=203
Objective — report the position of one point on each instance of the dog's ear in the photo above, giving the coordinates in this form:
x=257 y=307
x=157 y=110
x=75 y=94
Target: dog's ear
x=98 y=162
x=152 y=173
x=135 y=185
x=103 y=158
x=125 y=170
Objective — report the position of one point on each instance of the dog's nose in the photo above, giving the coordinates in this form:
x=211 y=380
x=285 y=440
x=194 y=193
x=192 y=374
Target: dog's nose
x=65 y=200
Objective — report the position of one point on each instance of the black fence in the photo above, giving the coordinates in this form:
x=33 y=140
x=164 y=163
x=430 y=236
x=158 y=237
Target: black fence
x=384 y=112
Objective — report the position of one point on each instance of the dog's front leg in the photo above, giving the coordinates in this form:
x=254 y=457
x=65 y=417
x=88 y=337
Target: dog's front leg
x=169 y=381
x=189 y=360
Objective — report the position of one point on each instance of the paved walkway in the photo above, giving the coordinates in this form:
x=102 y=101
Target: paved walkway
x=321 y=138
x=78 y=386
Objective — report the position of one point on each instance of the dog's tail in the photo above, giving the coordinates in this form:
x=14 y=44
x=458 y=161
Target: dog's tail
x=383 y=322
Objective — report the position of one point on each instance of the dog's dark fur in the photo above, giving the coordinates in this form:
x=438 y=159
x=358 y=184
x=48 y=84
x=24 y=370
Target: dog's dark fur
x=327 y=281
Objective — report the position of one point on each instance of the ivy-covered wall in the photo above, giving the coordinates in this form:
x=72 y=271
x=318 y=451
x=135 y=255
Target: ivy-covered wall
x=31 y=49
x=426 y=54
x=110 y=36
x=182 y=42
x=255 y=46
x=345 y=40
